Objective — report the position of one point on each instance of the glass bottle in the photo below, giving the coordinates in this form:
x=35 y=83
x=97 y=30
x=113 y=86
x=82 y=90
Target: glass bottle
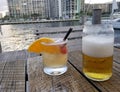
x=97 y=49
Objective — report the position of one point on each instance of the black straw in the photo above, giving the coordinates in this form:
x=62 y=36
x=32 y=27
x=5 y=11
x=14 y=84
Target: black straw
x=66 y=36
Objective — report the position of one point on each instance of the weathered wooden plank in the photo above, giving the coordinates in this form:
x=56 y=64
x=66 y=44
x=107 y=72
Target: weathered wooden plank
x=56 y=29
x=60 y=35
x=13 y=55
x=117 y=55
x=71 y=81
x=111 y=85
x=12 y=71
x=13 y=78
x=73 y=44
x=74 y=39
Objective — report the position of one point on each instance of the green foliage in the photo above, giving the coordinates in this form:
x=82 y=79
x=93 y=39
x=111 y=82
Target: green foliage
x=35 y=15
x=6 y=17
x=25 y=16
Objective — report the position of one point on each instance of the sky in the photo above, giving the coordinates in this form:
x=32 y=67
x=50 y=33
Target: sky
x=4 y=8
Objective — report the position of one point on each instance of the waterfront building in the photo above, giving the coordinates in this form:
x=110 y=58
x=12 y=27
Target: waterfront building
x=27 y=8
x=90 y=7
x=0 y=15
x=106 y=7
x=48 y=9
x=54 y=9
x=7 y=13
x=65 y=9
x=71 y=8
x=60 y=8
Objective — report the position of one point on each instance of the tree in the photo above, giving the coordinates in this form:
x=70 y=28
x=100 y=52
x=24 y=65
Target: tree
x=6 y=17
x=35 y=15
x=25 y=16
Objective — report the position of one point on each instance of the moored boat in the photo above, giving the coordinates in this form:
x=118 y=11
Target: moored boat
x=116 y=23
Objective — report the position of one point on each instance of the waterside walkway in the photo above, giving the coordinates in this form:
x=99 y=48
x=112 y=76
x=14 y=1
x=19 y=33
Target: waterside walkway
x=40 y=21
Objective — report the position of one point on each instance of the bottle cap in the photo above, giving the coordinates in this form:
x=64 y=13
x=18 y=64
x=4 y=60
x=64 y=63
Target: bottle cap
x=96 y=16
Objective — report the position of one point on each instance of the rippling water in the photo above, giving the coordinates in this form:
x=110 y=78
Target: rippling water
x=17 y=37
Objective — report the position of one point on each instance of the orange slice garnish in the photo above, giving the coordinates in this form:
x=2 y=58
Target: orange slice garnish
x=38 y=47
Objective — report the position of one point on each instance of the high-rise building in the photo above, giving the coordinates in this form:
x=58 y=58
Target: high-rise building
x=47 y=8
x=25 y=8
x=60 y=8
x=72 y=8
x=0 y=15
x=7 y=14
x=53 y=9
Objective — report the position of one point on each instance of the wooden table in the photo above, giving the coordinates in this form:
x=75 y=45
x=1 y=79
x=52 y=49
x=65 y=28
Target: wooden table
x=12 y=71
x=14 y=67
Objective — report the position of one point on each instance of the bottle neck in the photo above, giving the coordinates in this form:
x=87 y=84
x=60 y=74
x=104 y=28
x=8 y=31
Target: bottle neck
x=96 y=16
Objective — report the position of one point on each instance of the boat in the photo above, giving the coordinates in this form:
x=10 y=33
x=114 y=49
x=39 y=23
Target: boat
x=115 y=16
x=113 y=19
x=116 y=23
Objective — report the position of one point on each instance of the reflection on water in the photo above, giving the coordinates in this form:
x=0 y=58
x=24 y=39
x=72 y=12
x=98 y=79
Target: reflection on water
x=17 y=37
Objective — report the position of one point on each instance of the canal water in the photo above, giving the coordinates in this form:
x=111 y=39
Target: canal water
x=17 y=37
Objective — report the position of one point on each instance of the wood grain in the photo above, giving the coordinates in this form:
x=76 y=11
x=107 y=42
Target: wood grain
x=74 y=39
x=12 y=71
x=12 y=74
x=111 y=85
x=71 y=81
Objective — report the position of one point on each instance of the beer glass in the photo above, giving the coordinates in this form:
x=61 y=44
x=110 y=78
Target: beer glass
x=55 y=61
x=97 y=51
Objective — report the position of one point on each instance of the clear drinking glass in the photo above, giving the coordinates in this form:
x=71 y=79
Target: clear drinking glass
x=97 y=51
x=55 y=61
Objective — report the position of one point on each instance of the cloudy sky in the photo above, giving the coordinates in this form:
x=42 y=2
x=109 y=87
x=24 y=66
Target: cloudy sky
x=3 y=5
x=4 y=8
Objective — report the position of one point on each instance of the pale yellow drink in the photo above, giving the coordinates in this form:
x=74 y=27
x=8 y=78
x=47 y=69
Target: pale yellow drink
x=54 y=60
x=55 y=63
x=97 y=57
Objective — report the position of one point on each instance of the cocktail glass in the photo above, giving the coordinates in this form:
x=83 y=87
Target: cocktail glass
x=55 y=60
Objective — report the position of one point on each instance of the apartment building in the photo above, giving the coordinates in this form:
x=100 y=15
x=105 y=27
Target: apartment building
x=25 y=8
x=106 y=8
x=53 y=9
x=68 y=8
x=0 y=15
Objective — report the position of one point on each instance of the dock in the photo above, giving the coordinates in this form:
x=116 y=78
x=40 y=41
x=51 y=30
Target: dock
x=39 y=21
